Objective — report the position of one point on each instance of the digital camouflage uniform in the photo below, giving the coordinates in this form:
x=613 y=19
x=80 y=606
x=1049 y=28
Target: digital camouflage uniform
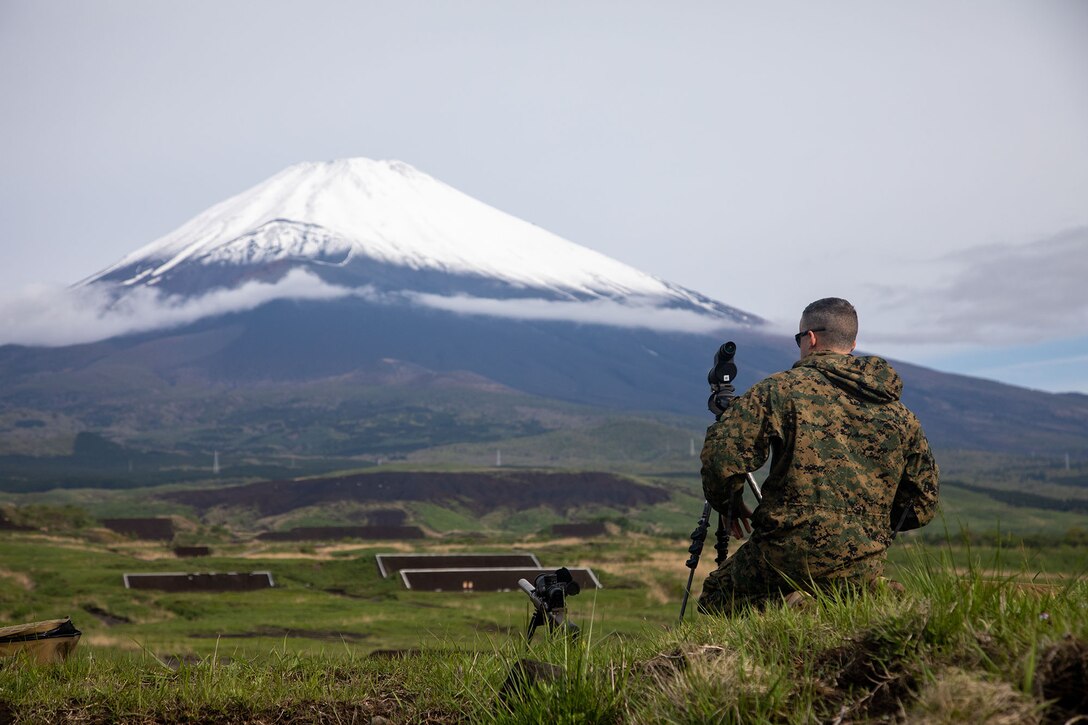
x=847 y=460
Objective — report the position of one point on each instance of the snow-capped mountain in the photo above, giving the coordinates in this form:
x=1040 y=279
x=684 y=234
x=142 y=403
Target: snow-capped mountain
x=390 y=227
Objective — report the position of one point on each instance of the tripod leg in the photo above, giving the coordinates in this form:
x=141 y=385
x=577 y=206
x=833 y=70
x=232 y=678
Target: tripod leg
x=687 y=593
x=536 y=621
x=725 y=527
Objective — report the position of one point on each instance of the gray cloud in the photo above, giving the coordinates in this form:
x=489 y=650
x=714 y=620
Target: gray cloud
x=992 y=295
x=603 y=312
x=52 y=316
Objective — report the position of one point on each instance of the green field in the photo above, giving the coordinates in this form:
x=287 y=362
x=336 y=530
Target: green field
x=993 y=587
x=311 y=648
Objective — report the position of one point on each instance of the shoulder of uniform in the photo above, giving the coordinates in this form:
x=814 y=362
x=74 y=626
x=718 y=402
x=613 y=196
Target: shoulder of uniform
x=780 y=383
x=792 y=377
x=910 y=417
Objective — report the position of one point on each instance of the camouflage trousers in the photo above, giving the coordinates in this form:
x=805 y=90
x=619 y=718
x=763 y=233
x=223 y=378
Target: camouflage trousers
x=746 y=581
x=742 y=582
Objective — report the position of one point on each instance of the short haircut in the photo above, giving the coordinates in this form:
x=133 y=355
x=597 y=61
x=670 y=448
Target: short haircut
x=836 y=317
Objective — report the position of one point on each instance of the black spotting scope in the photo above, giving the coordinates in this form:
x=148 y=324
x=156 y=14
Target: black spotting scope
x=724 y=369
x=721 y=378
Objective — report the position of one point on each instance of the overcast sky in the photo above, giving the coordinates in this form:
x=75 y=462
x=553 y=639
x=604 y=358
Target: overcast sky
x=928 y=160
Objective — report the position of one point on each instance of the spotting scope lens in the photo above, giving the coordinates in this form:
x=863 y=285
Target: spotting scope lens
x=724 y=369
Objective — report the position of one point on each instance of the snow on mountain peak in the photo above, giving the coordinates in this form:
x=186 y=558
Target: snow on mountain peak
x=385 y=225
x=390 y=212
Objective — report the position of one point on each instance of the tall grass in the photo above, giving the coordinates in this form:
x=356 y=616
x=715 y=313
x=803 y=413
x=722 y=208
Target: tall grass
x=968 y=641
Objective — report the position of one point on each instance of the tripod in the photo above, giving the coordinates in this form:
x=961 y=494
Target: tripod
x=722 y=392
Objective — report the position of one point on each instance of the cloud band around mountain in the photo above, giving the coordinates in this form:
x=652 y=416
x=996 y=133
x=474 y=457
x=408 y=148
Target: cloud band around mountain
x=640 y=313
x=50 y=316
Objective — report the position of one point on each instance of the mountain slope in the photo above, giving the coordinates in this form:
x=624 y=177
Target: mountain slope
x=256 y=371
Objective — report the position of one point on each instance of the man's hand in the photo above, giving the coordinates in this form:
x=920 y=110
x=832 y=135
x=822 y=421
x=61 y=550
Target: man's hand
x=742 y=519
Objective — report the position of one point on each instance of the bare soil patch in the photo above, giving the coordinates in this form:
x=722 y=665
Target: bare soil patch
x=189 y=551
x=386 y=517
x=1062 y=679
x=870 y=676
x=161 y=529
x=333 y=533
x=588 y=529
x=480 y=492
x=110 y=620
x=20 y=579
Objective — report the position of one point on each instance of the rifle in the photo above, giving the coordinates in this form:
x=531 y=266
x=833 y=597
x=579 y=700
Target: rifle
x=722 y=392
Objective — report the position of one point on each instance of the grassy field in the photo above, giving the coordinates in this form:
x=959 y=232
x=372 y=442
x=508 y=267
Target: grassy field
x=981 y=635
x=326 y=597
x=987 y=631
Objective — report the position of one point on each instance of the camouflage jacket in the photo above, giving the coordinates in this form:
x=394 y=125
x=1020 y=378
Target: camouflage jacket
x=848 y=463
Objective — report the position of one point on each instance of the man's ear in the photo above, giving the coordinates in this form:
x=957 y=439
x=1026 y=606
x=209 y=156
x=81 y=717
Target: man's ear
x=853 y=345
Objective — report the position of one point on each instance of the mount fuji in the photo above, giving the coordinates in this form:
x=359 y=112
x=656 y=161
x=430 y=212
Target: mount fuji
x=388 y=229
x=361 y=307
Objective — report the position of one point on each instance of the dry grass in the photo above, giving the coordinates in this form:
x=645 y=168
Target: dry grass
x=955 y=696
x=101 y=639
x=16 y=578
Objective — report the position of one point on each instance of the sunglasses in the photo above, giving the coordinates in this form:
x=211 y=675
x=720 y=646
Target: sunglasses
x=799 y=335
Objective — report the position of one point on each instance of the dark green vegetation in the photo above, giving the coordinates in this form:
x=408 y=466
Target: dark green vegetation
x=171 y=434
x=308 y=429
x=98 y=463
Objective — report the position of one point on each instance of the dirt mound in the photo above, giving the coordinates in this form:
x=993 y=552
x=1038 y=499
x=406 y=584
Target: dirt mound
x=189 y=551
x=872 y=675
x=333 y=533
x=480 y=492
x=585 y=530
x=150 y=529
x=386 y=517
x=1061 y=677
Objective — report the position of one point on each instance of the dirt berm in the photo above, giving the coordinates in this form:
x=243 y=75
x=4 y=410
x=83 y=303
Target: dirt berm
x=480 y=492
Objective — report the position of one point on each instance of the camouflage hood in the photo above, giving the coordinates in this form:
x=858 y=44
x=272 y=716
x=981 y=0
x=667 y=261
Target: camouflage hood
x=867 y=378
